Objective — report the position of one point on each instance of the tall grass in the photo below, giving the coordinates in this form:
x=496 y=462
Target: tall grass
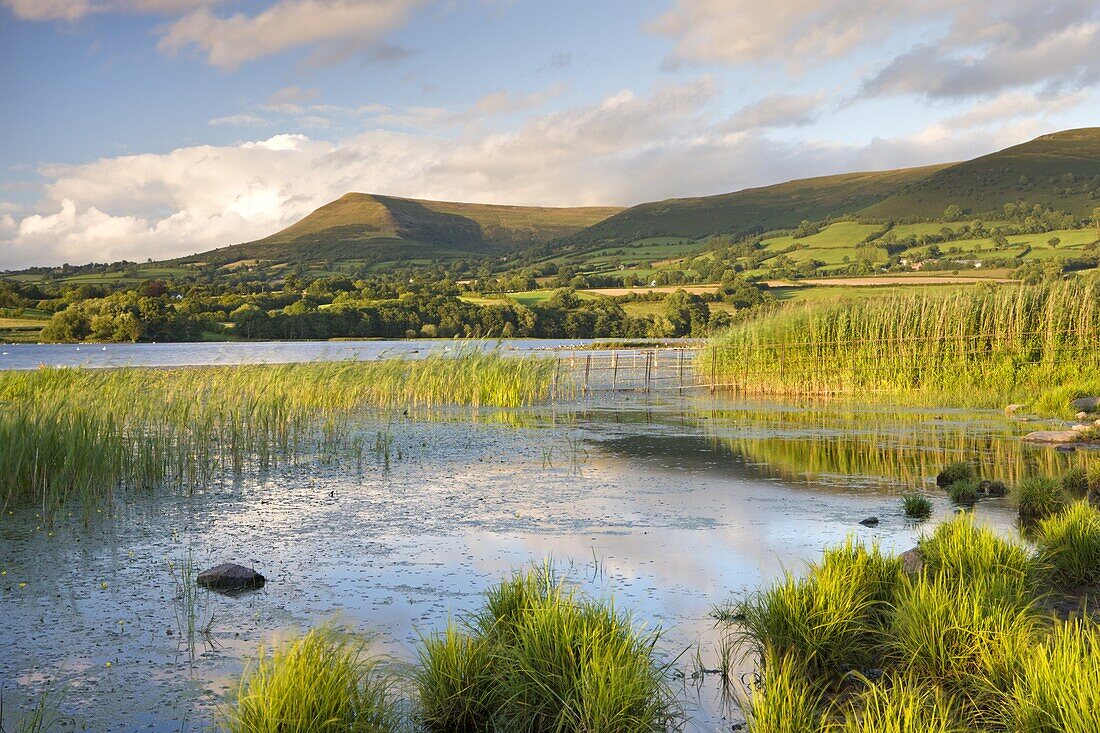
x=85 y=433
x=320 y=682
x=541 y=657
x=961 y=552
x=979 y=346
x=1069 y=546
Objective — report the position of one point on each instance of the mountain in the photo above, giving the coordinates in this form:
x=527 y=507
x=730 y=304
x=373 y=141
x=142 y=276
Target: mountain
x=1061 y=171
x=374 y=228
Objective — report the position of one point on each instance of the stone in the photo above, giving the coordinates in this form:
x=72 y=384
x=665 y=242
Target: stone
x=230 y=576
x=1051 y=436
x=911 y=561
x=870 y=522
x=1013 y=409
x=1082 y=416
x=1081 y=428
x=1086 y=404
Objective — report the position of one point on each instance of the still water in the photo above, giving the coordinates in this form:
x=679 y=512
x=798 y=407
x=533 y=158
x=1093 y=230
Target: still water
x=670 y=505
x=31 y=356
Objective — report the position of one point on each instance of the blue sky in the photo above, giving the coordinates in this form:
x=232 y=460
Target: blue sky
x=150 y=128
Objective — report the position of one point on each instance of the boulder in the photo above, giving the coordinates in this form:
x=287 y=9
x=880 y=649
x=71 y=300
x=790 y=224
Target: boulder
x=1086 y=404
x=1051 y=436
x=230 y=576
x=911 y=561
x=1013 y=409
x=870 y=522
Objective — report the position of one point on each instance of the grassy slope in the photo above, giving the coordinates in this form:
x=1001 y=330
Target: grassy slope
x=754 y=209
x=361 y=225
x=1034 y=171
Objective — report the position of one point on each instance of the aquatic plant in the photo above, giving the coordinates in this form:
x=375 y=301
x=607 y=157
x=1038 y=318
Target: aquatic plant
x=785 y=697
x=1055 y=687
x=1039 y=497
x=44 y=716
x=319 y=682
x=831 y=620
x=541 y=657
x=964 y=492
x=976 y=346
x=955 y=472
x=1069 y=545
x=84 y=433
x=960 y=551
x=896 y=704
x=1075 y=482
x=916 y=506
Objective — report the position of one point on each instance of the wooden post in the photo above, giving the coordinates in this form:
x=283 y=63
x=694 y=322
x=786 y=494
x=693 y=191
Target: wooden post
x=614 y=371
x=587 y=369
x=681 y=371
x=713 y=368
x=557 y=368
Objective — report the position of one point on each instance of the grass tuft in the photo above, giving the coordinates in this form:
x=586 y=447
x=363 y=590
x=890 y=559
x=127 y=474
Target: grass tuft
x=916 y=506
x=1069 y=545
x=955 y=472
x=1039 y=497
x=320 y=682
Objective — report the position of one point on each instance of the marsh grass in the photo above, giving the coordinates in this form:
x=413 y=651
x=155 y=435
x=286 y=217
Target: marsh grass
x=974 y=346
x=955 y=472
x=44 y=716
x=1069 y=546
x=1038 y=497
x=916 y=506
x=85 y=433
x=193 y=610
x=540 y=656
x=965 y=492
x=319 y=682
x=961 y=645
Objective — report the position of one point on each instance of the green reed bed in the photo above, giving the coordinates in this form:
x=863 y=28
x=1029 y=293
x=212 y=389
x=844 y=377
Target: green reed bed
x=963 y=644
x=543 y=657
x=84 y=433
x=978 y=346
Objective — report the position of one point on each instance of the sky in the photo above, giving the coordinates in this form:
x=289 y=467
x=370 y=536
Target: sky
x=135 y=129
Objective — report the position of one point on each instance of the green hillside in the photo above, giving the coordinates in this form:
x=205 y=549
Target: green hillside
x=753 y=210
x=1060 y=171
x=373 y=228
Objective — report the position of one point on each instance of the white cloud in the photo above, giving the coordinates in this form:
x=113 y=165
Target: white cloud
x=72 y=10
x=779 y=110
x=228 y=42
x=969 y=47
x=241 y=120
x=625 y=148
x=1014 y=105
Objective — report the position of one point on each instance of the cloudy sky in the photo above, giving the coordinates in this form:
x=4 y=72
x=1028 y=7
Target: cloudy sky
x=152 y=128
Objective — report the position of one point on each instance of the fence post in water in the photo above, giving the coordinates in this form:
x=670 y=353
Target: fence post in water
x=557 y=368
x=614 y=371
x=587 y=369
x=713 y=368
x=681 y=371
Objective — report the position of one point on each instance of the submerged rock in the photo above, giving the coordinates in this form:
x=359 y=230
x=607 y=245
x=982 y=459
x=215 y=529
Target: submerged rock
x=870 y=522
x=1051 y=436
x=911 y=561
x=230 y=576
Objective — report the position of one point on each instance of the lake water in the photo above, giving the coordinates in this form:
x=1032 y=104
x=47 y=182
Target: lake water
x=31 y=356
x=670 y=504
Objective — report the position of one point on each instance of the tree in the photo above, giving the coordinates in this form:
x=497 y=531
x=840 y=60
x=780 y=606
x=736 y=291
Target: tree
x=953 y=213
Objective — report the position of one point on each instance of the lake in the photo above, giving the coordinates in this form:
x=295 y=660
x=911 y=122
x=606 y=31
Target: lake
x=669 y=503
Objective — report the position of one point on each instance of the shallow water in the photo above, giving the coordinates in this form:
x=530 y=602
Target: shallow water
x=670 y=505
x=31 y=356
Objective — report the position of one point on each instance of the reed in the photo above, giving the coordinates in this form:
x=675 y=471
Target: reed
x=1039 y=497
x=978 y=346
x=1069 y=546
x=85 y=433
x=320 y=682
x=542 y=657
x=916 y=506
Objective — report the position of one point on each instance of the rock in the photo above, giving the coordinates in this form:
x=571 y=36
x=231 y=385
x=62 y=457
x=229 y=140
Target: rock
x=1065 y=448
x=1051 y=436
x=911 y=561
x=1013 y=409
x=230 y=576
x=1081 y=428
x=1082 y=416
x=1086 y=404
x=870 y=522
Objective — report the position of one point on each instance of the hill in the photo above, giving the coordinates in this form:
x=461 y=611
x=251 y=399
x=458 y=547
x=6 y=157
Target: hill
x=374 y=228
x=1060 y=171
